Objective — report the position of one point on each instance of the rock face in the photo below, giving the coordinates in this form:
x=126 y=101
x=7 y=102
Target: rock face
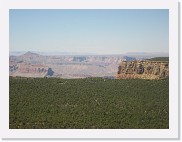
x=29 y=70
x=143 y=69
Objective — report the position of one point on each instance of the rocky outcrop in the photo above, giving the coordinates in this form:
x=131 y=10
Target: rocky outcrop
x=143 y=69
x=29 y=70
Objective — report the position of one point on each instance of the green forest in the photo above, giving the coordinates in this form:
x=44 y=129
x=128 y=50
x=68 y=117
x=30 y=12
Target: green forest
x=90 y=103
x=159 y=59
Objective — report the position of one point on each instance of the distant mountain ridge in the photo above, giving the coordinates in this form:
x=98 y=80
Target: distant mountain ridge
x=30 y=53
x=18 y=53
x=133 y=54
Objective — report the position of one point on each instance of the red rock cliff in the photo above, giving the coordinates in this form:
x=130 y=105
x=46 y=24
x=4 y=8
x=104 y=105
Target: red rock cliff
x=143 y=69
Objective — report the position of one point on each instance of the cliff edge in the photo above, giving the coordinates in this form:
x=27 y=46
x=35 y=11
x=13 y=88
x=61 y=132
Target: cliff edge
x=143 y=69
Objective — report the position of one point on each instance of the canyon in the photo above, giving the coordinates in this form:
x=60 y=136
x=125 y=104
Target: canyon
x=83 y=66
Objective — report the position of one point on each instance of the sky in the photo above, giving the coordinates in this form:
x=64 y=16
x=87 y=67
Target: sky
x=100 y=31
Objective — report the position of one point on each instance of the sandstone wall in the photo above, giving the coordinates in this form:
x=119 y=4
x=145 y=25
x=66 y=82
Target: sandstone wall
x=143 y=69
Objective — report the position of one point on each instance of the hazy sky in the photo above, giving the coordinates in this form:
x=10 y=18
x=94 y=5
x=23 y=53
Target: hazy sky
x=90 y=31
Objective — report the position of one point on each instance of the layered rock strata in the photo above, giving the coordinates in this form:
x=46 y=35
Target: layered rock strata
x=29 y=70
x=143 y=70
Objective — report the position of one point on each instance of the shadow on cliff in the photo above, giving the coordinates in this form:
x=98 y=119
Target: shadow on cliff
x=50 y=72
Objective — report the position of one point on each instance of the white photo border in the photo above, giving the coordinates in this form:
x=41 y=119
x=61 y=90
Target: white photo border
x=171 y=133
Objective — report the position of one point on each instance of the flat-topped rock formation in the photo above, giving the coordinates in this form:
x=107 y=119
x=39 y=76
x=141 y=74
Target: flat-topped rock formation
x=143 y=69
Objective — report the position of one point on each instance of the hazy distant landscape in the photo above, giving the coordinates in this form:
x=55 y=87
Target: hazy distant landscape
x=32 y=64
